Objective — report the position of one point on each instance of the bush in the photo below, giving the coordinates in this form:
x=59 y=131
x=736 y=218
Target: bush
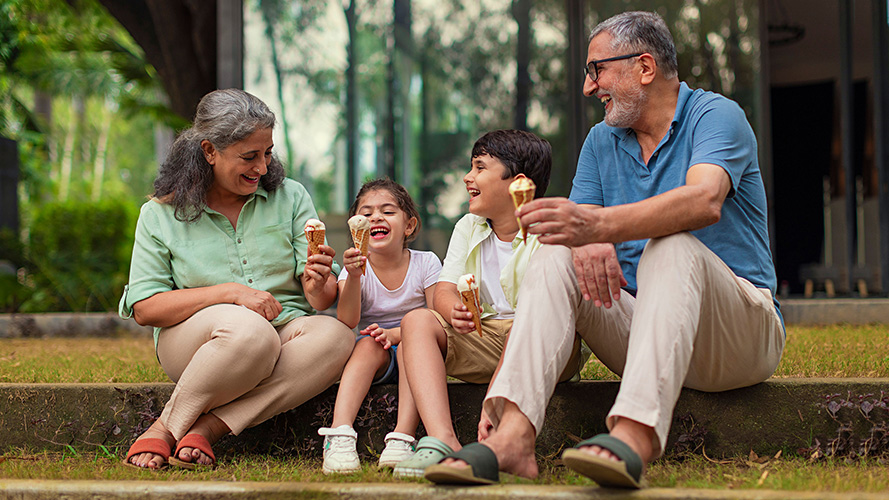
x=80 y=253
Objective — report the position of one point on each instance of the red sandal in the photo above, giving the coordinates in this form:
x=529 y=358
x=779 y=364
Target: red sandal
x=193 y=441
x=156 y=446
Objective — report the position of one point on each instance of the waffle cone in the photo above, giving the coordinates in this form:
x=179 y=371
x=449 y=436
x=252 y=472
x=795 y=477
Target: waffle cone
x=315 y=239
x=519 y=198
x=471 y=301
x=361 y=240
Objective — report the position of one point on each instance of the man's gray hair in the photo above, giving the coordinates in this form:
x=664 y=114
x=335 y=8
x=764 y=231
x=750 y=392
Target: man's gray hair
x=642 y=32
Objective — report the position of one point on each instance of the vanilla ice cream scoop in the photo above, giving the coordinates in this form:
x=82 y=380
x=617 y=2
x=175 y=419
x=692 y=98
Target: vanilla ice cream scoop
x=360 y=228
x=315 y=230
x=522 y=191
x=468 y=288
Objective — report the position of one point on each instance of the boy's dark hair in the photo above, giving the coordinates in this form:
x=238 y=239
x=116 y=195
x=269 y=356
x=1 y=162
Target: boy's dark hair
x=521 y=153
x=402 y=197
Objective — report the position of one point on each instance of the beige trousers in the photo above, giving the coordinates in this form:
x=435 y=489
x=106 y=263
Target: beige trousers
x=230 y=361
x=693 y=323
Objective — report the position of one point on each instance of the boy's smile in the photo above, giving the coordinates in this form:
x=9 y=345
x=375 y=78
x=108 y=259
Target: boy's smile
x=488 y=186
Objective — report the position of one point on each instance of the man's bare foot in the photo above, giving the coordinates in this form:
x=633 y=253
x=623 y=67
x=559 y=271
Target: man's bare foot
x=513 y=444
x=153 y=460
x=635 y=435
x=211 y=428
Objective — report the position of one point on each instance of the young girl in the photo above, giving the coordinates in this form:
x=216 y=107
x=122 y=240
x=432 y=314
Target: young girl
x=395 y=280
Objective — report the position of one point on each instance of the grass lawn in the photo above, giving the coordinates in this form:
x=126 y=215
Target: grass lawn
x=832 y=351
x=695 y=472
x=829 y=351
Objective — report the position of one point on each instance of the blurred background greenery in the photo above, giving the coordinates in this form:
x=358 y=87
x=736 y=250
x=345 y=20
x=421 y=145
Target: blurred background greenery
x=92 y=92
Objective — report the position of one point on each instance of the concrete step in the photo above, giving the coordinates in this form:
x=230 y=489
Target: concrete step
x=853 y=311
x=780 y=414
x=211 y=490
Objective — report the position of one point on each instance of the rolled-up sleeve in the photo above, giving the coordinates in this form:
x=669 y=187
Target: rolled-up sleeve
x=150 y=267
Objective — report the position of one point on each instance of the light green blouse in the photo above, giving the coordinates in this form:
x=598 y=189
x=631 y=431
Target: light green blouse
x=464 y=256
x=267 y=251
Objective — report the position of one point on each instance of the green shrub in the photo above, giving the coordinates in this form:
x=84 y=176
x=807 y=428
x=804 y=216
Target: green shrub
x=80 y=253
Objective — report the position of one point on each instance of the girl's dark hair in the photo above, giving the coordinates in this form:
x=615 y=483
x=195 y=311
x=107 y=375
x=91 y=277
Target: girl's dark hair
x=223 y=117
x=402 y=197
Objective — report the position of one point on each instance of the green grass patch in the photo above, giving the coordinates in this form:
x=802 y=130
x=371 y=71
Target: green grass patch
x=824 y=351
x=838 y=351
x=697 y=472
x=79 y=360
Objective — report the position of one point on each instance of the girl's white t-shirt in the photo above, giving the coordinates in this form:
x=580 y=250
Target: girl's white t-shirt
x=495 y=255
x=386 y=307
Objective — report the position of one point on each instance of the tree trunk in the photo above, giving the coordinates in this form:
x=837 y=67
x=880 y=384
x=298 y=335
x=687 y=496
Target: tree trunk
x=179 y=40
x=351 y=103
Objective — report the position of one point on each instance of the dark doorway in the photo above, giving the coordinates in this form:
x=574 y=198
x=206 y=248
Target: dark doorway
x=802 y=131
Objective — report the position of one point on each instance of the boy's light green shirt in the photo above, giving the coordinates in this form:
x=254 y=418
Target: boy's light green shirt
x=267 y=251
x=464 y=256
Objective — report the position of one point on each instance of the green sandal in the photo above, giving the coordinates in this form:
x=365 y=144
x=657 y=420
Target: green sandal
x=626 y=473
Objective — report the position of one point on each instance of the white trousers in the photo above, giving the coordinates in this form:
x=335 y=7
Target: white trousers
x=693 y=323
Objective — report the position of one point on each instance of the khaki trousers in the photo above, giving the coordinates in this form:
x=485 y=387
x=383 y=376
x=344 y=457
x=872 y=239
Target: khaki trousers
x=693 y=323
x=230 y=361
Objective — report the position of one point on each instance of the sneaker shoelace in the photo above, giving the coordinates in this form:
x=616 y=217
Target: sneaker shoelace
x=341 y=443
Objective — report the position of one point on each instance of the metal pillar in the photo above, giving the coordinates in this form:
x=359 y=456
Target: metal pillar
x=230 y=44
x=846 y=138
x=577 y=50
x=881 y=128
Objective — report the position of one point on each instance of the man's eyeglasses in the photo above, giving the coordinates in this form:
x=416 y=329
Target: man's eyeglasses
x=592 y=70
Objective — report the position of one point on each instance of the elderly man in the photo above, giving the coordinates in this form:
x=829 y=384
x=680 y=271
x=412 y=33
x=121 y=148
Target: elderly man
x=660 y=259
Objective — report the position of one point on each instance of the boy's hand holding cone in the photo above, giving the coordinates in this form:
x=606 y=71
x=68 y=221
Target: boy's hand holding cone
x=315 y=230
x=468 y=289
x=522 y=191
x=360 y=228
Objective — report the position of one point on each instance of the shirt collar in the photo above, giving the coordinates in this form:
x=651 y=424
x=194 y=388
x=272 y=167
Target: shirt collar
x=684 y=93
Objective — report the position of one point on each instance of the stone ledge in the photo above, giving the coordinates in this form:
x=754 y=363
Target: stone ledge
x=796 y=312
x=780 y=414
x=216 y=490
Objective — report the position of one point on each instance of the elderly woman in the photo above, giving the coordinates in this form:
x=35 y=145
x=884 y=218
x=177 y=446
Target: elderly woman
x=220 y=269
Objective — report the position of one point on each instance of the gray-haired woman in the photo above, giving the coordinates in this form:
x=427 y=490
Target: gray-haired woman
x=220 y=269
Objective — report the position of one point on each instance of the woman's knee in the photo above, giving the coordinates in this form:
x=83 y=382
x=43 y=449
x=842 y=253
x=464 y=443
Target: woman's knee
x=253 y=337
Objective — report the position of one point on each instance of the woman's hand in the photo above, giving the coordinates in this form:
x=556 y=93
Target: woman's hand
x=354 y=262
x=319 y=283
x=319 y=266
x=259 y=301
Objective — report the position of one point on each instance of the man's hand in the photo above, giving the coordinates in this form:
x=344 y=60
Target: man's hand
x=598 y=273
x=485 y=427
x=560 y=221
x=258 y=301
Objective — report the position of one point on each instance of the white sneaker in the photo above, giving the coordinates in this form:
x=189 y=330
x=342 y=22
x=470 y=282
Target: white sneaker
x=340 y=452
x=399 y=447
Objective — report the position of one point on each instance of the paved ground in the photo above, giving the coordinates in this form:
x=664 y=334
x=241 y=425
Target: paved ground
x=77 y=490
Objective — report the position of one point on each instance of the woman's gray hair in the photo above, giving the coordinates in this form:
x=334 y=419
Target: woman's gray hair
x=223 y=117
x=642 y=32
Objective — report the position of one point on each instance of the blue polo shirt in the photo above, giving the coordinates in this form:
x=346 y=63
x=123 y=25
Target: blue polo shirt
x=707 y=128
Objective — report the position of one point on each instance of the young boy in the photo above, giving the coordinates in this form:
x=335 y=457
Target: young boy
x=487 y=243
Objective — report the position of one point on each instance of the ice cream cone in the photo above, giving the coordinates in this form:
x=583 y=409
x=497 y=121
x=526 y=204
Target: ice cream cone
x=315 y=231
x=522 y=191
x=468 y=289
x=360 y=228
